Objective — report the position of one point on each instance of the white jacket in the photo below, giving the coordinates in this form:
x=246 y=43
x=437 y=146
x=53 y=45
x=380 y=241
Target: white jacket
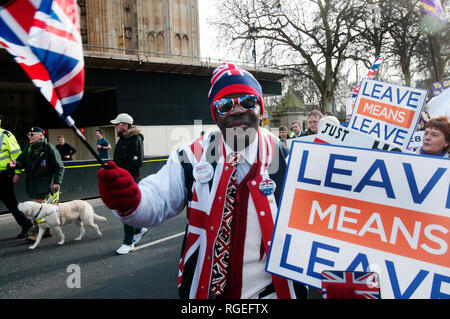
x=166 y=193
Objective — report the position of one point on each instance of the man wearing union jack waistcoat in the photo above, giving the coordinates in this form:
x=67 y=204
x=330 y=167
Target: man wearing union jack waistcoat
x=230 y=182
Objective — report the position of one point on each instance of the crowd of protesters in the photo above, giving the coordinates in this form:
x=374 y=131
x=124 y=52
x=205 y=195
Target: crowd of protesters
x=225 y=199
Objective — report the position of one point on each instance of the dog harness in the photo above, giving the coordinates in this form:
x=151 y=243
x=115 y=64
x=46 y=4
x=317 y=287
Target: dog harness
x=37 y=214
x=43 y=219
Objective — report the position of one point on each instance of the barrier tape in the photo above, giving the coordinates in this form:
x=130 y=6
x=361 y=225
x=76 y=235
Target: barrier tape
x=98 y=164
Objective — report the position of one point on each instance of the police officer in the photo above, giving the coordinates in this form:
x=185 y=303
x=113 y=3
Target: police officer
x=9 y=149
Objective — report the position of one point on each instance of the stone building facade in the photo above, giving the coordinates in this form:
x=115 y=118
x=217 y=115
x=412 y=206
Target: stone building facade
x=160 y=28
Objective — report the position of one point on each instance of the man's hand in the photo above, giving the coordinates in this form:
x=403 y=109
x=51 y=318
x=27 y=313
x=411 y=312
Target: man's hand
x=56 y=187
x=12 y=163
x=118 y=189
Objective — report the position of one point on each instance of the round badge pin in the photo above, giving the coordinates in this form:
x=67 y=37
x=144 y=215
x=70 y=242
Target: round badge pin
x=267 y=187
x=203 y=172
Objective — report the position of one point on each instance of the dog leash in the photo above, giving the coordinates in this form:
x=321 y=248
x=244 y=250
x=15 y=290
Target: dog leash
x=53 y=198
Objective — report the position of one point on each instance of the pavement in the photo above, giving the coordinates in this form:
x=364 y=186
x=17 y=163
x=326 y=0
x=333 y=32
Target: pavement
x=90 y=268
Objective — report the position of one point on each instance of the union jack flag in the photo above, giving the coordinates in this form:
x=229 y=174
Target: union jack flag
x=44 y=38
x=363 y=283
x=370 y=75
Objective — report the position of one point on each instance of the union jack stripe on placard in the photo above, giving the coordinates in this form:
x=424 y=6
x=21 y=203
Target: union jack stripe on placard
x=44 y=38
x=363 y=283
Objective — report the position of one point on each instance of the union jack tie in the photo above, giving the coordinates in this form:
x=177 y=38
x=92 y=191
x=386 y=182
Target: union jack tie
x=223 y=243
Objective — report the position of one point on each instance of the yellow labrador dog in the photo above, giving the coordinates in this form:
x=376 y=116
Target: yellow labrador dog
x=55 y=216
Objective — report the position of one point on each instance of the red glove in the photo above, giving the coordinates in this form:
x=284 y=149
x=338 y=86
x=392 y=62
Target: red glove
x=118 y=189
x=339 y=292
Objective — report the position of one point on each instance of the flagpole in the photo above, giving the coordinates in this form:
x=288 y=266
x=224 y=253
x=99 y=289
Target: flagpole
x=71 y=123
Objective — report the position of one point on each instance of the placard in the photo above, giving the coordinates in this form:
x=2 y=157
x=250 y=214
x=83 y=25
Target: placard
x=331 y=133
x=387 y=112
x=416 y=140
x=353 y=209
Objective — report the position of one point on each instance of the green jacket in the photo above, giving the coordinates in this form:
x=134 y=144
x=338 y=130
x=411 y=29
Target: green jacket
x=42 y=170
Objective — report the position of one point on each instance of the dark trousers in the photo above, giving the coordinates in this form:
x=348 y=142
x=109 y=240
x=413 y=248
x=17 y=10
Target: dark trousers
x=8 y=197
x=130 y=231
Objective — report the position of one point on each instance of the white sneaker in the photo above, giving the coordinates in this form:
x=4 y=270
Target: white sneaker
x=138 y=236
x=125 y=249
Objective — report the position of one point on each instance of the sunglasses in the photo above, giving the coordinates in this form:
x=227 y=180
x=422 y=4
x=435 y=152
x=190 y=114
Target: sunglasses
x=29 y=134
x=226 y=105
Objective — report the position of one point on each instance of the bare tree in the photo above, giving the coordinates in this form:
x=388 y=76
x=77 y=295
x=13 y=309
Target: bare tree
x=403 y=27
x=317 y=40
x=309 y=37
x=433 y=51
x=405 y=36
x=372 y=36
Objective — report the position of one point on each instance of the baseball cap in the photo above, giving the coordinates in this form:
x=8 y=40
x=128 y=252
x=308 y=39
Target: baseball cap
x=36 y=129
x=122 y=118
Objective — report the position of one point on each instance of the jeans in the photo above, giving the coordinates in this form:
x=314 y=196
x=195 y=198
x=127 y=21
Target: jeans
x=130 y=231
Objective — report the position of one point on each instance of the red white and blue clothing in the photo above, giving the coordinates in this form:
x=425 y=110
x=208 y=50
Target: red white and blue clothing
x=166 y=193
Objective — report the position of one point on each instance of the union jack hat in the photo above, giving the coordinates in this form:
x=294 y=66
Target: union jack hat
x=230 y=79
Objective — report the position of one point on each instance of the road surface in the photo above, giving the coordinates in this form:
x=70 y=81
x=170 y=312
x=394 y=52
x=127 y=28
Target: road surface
x=90 y=268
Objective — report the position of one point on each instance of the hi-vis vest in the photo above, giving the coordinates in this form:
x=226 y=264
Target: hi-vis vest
x=9 y=149
x=205 y=209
